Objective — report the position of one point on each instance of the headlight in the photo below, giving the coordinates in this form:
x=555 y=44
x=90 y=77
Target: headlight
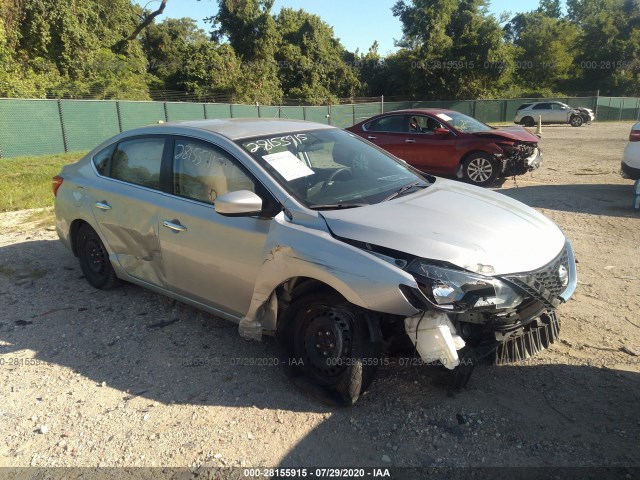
x=458 y=290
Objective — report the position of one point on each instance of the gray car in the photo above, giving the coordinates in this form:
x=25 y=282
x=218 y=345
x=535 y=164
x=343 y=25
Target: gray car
x=528 y=114
x=307 y=232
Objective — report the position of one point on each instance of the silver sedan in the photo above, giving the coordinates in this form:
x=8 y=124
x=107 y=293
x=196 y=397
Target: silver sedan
x=307 y=232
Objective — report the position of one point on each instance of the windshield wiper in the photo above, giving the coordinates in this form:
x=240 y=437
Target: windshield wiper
x=337 y=206
x=406 y=188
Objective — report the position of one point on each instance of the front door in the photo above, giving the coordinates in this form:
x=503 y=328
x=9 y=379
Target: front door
x=427 y=151
x=210 y=258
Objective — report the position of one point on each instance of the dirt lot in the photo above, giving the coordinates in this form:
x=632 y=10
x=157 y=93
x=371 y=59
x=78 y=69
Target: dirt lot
x=131 y=378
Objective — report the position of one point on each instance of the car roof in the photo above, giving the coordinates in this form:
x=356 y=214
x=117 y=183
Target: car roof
x=232 y=128
x=418 y=111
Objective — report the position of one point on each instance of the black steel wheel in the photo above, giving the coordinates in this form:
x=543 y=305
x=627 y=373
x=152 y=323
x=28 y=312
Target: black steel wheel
x=333 y=343
x=94 y=259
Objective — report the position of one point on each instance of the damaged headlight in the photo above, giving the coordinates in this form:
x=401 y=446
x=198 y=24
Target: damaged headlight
x=459 y=290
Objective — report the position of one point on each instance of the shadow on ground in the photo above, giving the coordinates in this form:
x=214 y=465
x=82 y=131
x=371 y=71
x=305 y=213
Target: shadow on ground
x=612 y=200
x=149 y=346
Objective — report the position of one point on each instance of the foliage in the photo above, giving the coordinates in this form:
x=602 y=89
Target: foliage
x=450 y=49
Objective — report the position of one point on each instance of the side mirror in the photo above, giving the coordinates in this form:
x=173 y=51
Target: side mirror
x=241 y=203
x=441 y=132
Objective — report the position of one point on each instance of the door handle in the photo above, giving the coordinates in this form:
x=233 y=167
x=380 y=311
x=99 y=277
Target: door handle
x=409 y=140
x=371 y=137
x=176 y=227
x=103 y=206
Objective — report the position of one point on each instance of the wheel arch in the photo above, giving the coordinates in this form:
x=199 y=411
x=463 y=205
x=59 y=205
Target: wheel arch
x=74 y=228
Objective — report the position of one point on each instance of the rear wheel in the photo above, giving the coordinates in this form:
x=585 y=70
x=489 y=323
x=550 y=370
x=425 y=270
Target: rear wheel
x=528 y=122
x=576 y=121
x=479 y=169
x=333 y=343
x=94 y=259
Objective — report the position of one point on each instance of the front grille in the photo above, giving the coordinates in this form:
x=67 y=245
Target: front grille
x=546 y=283
x=534 y=338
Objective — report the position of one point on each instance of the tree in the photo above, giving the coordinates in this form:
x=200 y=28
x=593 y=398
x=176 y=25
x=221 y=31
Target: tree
x=545 y=49
x=456 y=48
x=311 y=60
x=609 y=44
x=251 y=31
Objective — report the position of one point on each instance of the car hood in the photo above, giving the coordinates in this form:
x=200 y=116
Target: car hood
x=467 y=226
x=512 y=133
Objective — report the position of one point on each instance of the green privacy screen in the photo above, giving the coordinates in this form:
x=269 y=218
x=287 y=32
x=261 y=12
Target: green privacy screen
x=41 y=127
x=88 y=123
x=139 y=114
x=218 y=110
x=184 y=111
x=30 y=127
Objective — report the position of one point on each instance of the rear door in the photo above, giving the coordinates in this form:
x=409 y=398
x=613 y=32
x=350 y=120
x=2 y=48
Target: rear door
x=545 y=110
x=388 y=132
x=125 y=204
x=210 y=258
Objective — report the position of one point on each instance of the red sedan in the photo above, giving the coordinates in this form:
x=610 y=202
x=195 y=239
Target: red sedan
x=449 y=143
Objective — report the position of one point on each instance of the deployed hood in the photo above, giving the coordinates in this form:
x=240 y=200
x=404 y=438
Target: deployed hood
x=467 y=226
x=512 y=133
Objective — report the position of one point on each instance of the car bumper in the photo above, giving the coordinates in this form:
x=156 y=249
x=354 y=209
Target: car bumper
x=629 y=172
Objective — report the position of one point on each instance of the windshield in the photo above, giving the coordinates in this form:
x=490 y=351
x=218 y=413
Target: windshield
x=331 y=168
x=464 y=123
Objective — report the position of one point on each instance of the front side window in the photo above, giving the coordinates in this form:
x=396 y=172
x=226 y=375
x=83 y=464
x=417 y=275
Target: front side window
x=331 y=168
x=203 y=172
x=138 y=161
x=423 y=124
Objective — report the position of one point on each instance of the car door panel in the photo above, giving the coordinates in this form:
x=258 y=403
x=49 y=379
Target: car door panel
x=427 y=151
x=208 y=257
x=124 y=204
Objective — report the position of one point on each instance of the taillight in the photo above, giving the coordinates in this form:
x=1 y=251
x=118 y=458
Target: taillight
x=634 y=136
x=55 y=184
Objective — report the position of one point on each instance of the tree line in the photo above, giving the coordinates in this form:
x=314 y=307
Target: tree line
x=450 y=49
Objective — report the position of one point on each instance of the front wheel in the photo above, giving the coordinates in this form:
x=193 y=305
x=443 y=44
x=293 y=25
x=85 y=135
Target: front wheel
x=94 y=259
x=479 y=169
x=576 y=121
x=333 y=344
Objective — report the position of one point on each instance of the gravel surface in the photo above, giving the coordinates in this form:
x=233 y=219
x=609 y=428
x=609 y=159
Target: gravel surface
x=131 y=378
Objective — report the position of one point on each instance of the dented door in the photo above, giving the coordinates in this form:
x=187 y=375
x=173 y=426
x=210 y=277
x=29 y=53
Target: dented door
x=126 y=208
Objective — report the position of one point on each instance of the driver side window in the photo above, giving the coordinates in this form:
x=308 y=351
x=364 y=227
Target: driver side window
x=203 y=172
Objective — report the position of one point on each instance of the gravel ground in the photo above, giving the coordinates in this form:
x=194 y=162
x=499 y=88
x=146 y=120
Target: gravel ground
x=130 y=378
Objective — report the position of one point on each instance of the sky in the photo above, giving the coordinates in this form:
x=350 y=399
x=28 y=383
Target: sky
x=357 y=23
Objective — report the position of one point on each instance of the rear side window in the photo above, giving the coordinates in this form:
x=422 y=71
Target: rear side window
x=393 y=123
x=101 y=160
x=542 y=106
x=138 y=161
x=523 y=106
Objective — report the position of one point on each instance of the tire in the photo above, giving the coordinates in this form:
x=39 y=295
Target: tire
x=528 y=122
x=576 y=121
x=333 y=344
x=94 y=259
x=479 y=169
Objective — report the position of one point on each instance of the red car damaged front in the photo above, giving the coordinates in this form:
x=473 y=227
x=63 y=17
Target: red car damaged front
x=449 y=143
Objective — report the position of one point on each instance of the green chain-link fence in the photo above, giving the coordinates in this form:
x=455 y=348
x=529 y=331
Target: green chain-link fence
x=40 y=127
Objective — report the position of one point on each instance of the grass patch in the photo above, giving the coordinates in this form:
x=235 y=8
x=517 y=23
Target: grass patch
x=25 y=182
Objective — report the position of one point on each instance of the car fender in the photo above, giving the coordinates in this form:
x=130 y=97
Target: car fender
x=295 y=250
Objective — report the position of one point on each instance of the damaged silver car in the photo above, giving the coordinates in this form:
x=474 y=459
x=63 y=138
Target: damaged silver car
x=309 y=233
